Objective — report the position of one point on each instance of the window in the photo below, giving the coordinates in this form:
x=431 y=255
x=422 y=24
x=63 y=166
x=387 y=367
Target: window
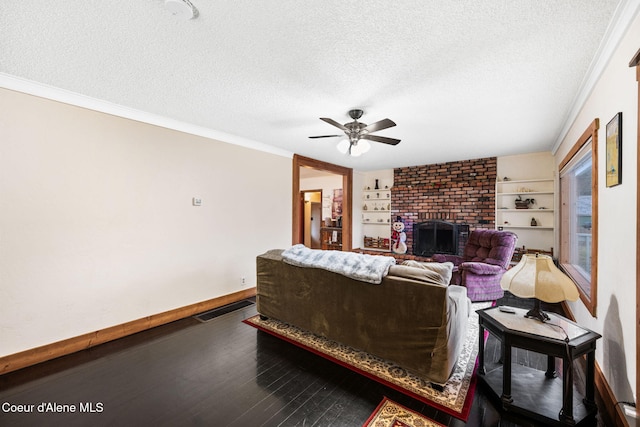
x=579 y=215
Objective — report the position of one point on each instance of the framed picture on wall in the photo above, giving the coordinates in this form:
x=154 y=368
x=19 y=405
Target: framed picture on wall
x=336 y=209
x=614 y=151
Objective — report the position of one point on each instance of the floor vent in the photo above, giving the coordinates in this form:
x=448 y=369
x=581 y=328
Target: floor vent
x=212 y=314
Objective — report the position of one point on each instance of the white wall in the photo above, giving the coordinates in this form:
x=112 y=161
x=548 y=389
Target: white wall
x=97 y=227
x=526 y=166
x=616 y=91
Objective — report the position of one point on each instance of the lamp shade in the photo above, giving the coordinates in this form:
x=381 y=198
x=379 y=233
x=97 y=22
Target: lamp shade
x=360 y=147
x=343 y=146
x=536 y=276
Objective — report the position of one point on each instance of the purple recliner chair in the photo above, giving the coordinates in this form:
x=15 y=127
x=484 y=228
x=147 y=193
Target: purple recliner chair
x=485 y=258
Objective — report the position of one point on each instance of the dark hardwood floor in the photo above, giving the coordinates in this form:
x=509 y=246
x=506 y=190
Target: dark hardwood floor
x=216 y=373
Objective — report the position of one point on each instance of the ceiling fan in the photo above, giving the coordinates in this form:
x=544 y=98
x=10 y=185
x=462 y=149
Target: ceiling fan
x=356 y=131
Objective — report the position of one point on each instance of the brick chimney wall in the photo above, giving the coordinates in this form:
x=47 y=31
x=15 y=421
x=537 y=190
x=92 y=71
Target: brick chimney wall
x=460 y=192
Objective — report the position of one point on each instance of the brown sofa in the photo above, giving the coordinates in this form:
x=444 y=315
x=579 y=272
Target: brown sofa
x=409 y=318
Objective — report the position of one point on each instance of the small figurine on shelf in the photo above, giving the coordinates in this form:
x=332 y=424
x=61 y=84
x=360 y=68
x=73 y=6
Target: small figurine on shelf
x=534 y=223
x=399 y=237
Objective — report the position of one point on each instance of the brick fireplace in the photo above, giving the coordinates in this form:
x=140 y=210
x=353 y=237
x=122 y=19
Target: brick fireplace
x=461 y=192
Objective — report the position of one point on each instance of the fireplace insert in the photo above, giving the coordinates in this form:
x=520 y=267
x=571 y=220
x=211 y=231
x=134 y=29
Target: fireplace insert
x=439 y=237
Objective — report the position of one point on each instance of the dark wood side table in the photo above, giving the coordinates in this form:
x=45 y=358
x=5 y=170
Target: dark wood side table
x=331 y=238
x=531 y=392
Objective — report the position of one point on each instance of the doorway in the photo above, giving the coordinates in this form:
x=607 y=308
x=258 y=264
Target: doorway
x=312 y=217
x=298 y=202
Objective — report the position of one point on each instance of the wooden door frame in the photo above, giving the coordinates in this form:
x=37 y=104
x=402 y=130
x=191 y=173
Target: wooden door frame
x=635 y=62
x=347 y=192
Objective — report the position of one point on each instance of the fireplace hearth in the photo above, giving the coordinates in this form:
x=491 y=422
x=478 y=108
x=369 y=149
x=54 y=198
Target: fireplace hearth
x=439 y=237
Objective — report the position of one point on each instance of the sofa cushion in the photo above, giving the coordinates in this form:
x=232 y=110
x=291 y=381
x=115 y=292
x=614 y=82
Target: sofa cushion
x=444 y=269
x=432 y=272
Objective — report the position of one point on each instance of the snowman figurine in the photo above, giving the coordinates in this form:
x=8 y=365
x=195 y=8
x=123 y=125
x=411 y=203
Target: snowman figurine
x=399 y=237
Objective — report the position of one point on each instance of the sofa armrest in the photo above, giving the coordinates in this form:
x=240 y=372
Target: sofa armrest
x=455 y=259
x=480 y=268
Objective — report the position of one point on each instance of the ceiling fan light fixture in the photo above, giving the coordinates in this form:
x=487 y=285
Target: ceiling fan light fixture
x=343 y=146
x=359 y=148
x=354 y=149
x=358 y=134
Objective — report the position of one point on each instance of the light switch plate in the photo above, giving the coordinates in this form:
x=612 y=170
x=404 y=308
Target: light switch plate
x=197 y=201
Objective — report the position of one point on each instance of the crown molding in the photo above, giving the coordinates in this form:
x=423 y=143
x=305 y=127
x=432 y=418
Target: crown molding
x=624 y=15
x=30 y=87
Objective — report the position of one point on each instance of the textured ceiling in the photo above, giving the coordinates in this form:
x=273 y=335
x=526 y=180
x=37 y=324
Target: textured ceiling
x=462 y=79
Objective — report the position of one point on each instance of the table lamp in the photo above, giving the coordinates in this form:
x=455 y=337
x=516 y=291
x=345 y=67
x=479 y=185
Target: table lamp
x=536 y=276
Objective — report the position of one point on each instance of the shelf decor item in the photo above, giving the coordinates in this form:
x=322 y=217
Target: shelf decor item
x=614 y=151
x=523 y=204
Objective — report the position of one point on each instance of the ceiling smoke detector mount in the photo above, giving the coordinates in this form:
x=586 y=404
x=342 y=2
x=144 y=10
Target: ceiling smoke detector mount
x=181 y=9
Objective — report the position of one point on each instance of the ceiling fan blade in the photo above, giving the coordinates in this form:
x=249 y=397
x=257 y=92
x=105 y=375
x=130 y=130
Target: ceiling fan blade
x=334 y=123
x=382 y=124
x=383 y=139
x=324 y=136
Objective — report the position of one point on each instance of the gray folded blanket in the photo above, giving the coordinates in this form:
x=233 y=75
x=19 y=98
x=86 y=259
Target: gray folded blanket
x=366 y=268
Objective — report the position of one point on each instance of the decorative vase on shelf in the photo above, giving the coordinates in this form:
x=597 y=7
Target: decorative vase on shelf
x=534 y=223
x=377 y=186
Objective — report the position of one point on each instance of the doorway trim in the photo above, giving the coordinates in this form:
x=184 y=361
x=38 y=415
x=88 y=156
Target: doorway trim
x=635 y=62
x=347 y=191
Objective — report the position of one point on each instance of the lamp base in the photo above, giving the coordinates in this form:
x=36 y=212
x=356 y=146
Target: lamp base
x=536 y=313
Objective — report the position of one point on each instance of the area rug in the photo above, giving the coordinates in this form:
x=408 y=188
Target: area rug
x=454 y=398
x=391 y=414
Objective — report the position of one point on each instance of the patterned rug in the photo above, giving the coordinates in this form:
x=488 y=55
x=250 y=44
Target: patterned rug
x=391 y=414
x=456 y=396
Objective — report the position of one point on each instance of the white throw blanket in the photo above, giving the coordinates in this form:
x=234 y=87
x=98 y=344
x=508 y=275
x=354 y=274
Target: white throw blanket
x=366 y=268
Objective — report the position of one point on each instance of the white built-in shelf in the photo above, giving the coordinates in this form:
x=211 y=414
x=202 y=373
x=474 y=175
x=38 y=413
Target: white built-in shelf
x=523 y=193
x=543 y=191
x=525 y=210
x=537 y=227
x=372 y=228
x=526 y=181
